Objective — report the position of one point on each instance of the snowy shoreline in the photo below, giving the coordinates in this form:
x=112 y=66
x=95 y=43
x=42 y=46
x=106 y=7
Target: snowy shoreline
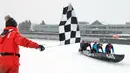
x=91 y=39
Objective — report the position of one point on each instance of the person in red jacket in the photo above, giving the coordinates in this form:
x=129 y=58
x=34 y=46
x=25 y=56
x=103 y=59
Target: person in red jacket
x=10 y=39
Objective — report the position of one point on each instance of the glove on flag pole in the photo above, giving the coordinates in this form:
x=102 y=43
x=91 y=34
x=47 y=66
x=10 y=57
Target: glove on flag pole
x=68 y=28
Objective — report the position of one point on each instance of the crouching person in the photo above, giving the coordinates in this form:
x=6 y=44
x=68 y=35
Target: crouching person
x=84 y=46
x=108 y=48
x=97 y=47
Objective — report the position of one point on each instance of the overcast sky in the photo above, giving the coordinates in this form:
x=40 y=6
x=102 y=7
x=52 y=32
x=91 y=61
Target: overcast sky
x=108 y=11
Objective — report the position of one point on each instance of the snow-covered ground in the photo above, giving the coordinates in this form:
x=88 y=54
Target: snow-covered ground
x=67 y=59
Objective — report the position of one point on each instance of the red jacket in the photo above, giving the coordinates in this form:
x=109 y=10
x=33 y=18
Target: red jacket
x=11 y=41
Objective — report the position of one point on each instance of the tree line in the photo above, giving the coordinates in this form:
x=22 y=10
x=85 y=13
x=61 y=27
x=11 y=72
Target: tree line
x=25 y=26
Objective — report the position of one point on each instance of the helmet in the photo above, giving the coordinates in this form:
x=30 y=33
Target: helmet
x=89 y=42
x=83 y=41
x=109 y=43
x=100 y=44
x=95 y=42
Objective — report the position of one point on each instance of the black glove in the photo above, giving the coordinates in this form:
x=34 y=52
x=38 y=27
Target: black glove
x=41 y=48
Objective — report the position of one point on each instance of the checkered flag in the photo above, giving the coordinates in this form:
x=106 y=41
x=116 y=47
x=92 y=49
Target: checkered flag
x=68 y=28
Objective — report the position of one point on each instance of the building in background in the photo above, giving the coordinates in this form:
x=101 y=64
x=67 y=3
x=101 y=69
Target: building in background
x=90 y=32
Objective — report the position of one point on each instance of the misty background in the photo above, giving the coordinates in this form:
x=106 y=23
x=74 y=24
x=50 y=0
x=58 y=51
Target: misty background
x=107 y=11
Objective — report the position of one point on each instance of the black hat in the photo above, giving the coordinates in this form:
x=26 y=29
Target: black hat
x=10 y=21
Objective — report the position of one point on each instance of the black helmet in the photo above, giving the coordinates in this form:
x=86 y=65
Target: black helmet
x=109 y=43
x=95 y=42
